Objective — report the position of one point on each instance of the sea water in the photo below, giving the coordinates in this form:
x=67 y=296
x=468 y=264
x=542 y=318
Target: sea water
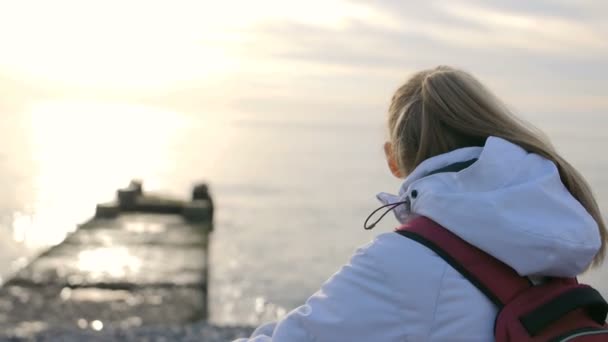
x=292 y=191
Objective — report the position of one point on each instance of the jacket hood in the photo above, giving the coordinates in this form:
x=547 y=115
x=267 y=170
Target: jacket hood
x=509 y=203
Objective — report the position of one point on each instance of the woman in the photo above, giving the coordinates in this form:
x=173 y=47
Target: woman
x=513 y=197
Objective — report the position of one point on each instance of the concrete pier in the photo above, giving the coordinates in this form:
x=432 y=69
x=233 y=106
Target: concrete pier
x=142 y=261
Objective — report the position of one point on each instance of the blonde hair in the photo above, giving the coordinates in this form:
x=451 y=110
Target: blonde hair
x=443 y=109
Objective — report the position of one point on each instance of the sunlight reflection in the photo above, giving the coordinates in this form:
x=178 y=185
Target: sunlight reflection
x=21 y=223
x=82 y=152
x=148 y=227
x=97 y=325
x=39 y=229
x=95 y=295
x=110 y=139
x=108 y=261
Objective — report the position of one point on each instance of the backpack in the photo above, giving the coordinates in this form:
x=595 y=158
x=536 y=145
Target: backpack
x=557 y=310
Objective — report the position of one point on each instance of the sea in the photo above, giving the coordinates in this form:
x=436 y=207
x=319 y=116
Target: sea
x=292 y=190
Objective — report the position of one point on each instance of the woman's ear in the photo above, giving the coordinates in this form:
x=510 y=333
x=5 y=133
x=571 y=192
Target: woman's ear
x=391 y=161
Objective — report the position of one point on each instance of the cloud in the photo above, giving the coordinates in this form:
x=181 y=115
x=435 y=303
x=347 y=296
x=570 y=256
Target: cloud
x=535 y=32
x=343 y=54
x=541 y=55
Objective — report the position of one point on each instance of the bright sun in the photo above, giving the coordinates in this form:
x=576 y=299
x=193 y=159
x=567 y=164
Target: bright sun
x=124 y=44
x=137 y=44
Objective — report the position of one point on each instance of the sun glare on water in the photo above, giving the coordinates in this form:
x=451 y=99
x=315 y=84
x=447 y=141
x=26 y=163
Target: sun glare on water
x=82 y=152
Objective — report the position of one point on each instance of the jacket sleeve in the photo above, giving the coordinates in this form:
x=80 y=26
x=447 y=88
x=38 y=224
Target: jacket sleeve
x=355 y=304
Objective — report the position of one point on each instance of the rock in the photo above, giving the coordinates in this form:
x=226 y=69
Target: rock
x=199 y=331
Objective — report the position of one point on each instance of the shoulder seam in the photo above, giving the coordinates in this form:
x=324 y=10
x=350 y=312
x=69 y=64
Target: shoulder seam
x=428 y=253
x=392 y=288
x=432 y=325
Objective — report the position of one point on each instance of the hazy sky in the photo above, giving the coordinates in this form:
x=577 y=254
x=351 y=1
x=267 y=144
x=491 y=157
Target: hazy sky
x=273 y=56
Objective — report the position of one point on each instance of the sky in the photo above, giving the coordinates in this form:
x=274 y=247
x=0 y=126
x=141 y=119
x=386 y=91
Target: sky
x=267 y=57
x=336 y=61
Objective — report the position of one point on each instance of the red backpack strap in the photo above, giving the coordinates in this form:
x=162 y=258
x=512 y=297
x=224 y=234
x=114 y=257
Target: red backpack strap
x=499 y=282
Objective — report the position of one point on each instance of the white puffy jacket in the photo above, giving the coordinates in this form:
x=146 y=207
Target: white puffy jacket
x=509 y=203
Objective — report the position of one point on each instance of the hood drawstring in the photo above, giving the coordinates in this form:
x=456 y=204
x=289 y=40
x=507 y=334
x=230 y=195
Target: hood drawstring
x=454 y=167
x=391 y=206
